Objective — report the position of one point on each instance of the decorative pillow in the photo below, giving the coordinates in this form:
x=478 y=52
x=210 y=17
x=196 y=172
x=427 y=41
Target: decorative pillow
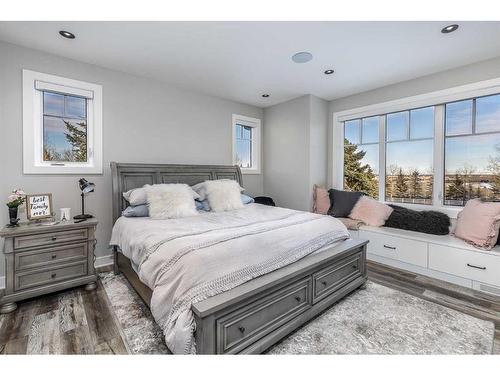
x=202 y=205
x=201 y=190
x=478 y=223
x=136 y=211
x=223 y=195
x=321 y=200
x=138 y=196
x=169 y=201
x=245 y=199
x=370 y=211
x=431 y=222
x=342 y=202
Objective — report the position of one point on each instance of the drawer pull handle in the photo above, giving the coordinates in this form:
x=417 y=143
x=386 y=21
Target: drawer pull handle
x=53 y=275
x=242 y=329
x=54 y=256
x=354 y=266
x=54 y=238
x=324 y=283
x=297 y=298
x=389 y=247
x=478 y=267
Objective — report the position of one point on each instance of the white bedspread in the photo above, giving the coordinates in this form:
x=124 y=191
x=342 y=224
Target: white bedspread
x=187 y=260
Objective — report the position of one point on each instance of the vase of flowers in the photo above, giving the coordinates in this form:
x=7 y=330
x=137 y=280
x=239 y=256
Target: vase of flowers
x=15 y=200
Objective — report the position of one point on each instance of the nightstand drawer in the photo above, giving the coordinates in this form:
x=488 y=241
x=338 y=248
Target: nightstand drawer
x=31 y=279
x=50 y=238
x=50 y=256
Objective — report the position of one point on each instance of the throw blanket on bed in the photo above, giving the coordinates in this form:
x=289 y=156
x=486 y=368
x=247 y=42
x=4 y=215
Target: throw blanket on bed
x=188 y=260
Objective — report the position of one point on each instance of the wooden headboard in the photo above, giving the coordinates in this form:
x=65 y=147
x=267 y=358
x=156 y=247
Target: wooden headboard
x=126 y=176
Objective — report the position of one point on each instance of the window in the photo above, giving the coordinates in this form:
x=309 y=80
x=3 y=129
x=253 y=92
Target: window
x=246 y=143
x=472 y=150
x=361 y=138
x=64 y=128
x=62 y=125
x=438 y=149
x=409 y=156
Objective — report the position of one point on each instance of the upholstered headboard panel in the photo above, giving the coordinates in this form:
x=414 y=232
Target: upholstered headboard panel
x=126 y=176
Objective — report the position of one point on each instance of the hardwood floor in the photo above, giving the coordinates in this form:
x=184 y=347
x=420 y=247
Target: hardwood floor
x=80 y=322
x=71 y=322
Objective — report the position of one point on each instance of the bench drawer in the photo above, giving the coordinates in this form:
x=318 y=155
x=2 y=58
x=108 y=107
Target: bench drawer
x=473 y=265
x=397 y=248
x=50 y=238
x=35 y=278
x=50 y=256
x=244 y=326
x=332 y=278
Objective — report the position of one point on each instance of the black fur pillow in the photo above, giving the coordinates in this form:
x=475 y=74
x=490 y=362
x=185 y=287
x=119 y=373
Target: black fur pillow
x=431 y=222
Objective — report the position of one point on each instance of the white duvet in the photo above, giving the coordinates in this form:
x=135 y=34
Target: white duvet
x=187 y=260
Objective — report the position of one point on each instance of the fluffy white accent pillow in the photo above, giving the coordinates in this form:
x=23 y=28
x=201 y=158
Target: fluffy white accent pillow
x=170 y=201
x=223 y=195
x=138 y=196
x=201 y=189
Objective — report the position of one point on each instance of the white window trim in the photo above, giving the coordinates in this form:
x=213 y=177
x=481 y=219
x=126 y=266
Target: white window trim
x=32 y=127
x=255 y=123
x=435 y=98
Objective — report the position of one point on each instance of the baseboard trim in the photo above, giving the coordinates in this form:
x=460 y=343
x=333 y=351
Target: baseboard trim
x=103 y=261
x=106 y=260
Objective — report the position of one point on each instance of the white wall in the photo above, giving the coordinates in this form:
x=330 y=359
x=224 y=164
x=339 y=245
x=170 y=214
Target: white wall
x=295 y=150
x=143 y=121
x=455 y=77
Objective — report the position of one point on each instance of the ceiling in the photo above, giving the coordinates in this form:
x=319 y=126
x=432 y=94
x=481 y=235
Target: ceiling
x=242 y=60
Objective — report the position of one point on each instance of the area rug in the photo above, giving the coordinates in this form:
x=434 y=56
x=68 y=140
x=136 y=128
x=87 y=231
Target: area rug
x=373 y=320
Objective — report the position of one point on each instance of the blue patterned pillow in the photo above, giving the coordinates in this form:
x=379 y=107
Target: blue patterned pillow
x=141 y=210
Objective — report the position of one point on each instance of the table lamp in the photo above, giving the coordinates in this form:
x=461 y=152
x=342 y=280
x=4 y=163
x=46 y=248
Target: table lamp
x=86 y=187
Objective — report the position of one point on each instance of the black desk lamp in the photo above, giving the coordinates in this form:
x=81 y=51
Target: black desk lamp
x=86 y=187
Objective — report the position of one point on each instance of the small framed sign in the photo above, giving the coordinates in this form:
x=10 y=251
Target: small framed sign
x=39 y=206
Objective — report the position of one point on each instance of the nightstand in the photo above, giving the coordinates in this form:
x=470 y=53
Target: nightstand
x=41 y=259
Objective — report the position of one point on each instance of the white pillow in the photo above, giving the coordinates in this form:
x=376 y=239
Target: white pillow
x=223 y=195
x=170 y=201
x=200 y=188
x=139 y=196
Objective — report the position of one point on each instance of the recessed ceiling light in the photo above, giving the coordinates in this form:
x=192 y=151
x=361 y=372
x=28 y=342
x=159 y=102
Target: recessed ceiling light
x=265 y=95
x=449 y=29
x=329 y=71
x=302 y=57
x=67 y=34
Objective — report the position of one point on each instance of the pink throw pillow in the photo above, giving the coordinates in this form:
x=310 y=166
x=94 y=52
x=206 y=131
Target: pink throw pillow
x=321 y=200
x=478 y=223
x=370 y=211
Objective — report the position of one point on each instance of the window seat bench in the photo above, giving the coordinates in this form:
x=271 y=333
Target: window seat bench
x=442 y=257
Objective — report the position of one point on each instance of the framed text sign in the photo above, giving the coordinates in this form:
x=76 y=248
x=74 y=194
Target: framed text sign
x=39 y=206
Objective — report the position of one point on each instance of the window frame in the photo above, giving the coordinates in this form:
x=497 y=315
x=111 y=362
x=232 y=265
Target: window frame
x=409 y=139
x=362 y=144
x=438 y=99
x=255 y=124
x=34 y=84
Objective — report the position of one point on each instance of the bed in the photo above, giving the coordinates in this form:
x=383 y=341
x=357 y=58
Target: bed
x=256 y=309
